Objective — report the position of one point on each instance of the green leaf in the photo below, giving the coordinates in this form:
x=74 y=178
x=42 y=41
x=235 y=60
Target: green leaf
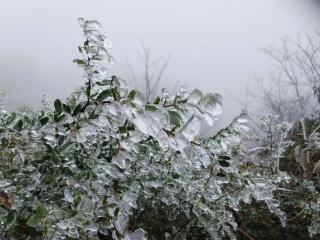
x=224 y=163
x=122 y=129
x=157 y=100
x=150 y=108
x=175 y=118
x=112 y=205
x=221 y=174
x=44 y=120
x=77 y=109
x=88 y=90
x=55 y=157
x=11 y=218
x=27 y=119
x=224 y=157
x=41 y=211
x=79 y=61
x=103 y=95
x=46 y=230
x=11 y=118
x=103 y=82
x=18 y=124
x=84 y=107
x=94 y=116
x=116 y=212
x=33 y=221
x=169 y=179
x=66 y=108
x=175 y=175
x=58 y=106
x=115 y=94
x=132 y=95
x=58 y=118
x=61 y=139
x=77 y=199
x=66 y=146
x=19 y=230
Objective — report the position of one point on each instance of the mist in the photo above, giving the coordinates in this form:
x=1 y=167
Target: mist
x=213 y=45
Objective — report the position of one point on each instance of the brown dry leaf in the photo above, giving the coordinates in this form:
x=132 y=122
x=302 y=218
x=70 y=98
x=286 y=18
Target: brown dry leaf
x=5 y=200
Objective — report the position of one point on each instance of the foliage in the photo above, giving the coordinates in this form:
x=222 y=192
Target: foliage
x=285 y=136
x=93 y=165
x=293 y=148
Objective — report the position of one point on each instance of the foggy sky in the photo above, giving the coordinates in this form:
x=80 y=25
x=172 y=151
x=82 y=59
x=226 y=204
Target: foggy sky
x=213 y=44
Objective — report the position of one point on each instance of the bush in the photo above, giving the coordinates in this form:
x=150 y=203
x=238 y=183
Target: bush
x=104 y=165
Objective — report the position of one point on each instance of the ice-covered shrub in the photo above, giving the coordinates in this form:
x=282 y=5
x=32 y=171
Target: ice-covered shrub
x=82 y=169
x=293 y=148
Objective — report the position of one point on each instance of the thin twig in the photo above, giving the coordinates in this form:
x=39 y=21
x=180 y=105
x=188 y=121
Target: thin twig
x=245 y=234
x=296 y=216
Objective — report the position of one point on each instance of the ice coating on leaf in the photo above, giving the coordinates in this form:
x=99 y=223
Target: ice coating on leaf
x=68 y=195
x=191 y=129
x=195 y=97
x=122 y=222
x=139 y=99
x=4 y=183
x=139 y=234
x=150 y=124
x=212 y=104
x=130 y=198
x=242 y=118
x=45 y=101
x=121 y=160
x=69 y=228
x=86 y=205
x=140 y=122
x=92 y=227
x=73 y=232
x=95 y=51
x=63 y=225
x=89 y=25
x=3 y=96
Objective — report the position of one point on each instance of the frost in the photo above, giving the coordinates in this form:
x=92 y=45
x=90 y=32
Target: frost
x=4 y=183
x=68 y=195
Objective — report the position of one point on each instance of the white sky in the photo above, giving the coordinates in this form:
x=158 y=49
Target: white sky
x=213 y=44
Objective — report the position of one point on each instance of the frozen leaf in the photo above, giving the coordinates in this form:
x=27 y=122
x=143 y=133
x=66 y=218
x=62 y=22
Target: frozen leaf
x=86 y=205
x=4 y=183
x=33 y=221
x=191 y=129
x=212 y=104
x=122 y=222
x=136 y=235
x=68 y=195
x=195 y=97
